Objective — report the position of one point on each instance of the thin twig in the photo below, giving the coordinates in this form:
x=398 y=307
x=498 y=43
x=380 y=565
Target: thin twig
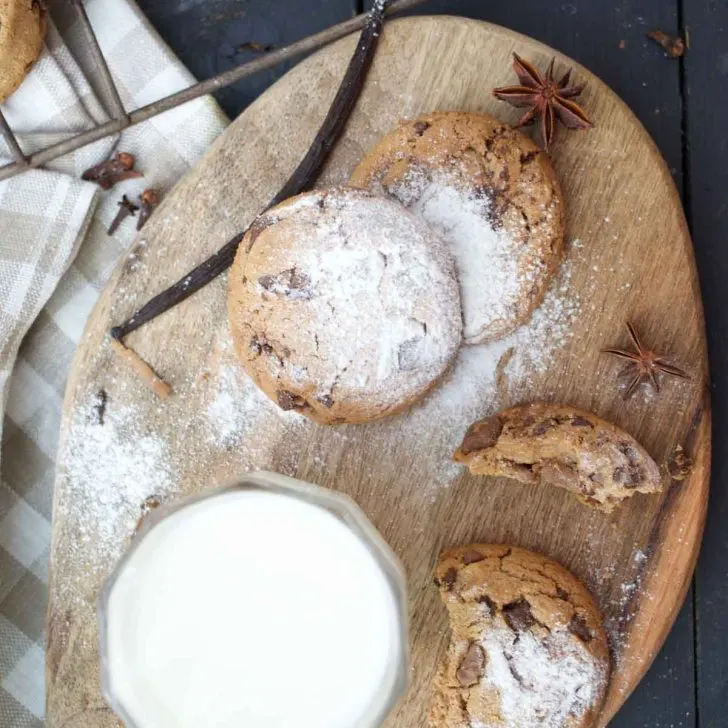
x=302 y=178
x=69 y=145
x=145 y=372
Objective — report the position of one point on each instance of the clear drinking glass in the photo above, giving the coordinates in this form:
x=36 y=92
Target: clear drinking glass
x=343 y=508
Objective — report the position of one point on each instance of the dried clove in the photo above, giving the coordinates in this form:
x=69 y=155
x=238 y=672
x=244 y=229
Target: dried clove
x=674 y=46
x=108 y=173
x=126 y=208
x=148 y=200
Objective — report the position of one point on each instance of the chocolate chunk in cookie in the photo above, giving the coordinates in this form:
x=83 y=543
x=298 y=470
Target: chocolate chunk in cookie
x=518 y=615
x=481 y=435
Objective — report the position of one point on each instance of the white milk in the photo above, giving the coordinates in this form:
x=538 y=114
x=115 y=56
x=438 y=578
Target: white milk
x=251 y=609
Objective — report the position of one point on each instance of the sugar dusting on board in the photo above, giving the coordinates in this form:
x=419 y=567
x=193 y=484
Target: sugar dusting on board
x=114 y=462
x=485 y=378
x=114 y=465
x=237 y=404
x=111 y=467
x=628 y=590
x=600 y=573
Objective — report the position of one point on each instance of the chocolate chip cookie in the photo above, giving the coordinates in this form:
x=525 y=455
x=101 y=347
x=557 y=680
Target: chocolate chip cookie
x=527 y=649
x=22 y=30
x=551 y=444
x=344 y=306
x=494 y=196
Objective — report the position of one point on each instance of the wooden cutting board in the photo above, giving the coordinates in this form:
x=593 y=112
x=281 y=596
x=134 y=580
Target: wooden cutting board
x=629 y=256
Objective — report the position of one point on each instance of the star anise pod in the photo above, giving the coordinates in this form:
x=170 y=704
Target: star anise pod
x=643 y=364
x=546 y=99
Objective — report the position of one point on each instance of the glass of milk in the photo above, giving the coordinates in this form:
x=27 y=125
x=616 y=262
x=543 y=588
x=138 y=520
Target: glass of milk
x=271 y=603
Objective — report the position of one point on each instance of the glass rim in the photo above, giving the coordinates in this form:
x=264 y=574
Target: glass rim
x=340 y=505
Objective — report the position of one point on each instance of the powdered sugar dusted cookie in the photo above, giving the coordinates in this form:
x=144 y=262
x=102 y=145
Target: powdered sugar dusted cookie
x=494 y=196
x=344 y=306
x=527 y=648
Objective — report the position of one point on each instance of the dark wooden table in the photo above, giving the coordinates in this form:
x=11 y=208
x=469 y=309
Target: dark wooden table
x=680 y=104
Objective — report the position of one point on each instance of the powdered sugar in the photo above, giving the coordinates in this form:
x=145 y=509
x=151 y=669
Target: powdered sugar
x=541 y=682
x=236 y=405
x=117 y=455
x=618 y=622
x=111 y=467
x=501 y=266
x=549 y=329
x=486 y=258
x=488 y=377
x=375 y=318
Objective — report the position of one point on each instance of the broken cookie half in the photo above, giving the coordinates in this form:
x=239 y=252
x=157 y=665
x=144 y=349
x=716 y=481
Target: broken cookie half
x=527 y=649
x=551 y=444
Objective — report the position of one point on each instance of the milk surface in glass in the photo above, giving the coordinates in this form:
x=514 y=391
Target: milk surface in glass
x=252 y=608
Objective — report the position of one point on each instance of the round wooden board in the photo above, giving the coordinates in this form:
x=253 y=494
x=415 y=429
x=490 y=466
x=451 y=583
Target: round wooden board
x=634 y=260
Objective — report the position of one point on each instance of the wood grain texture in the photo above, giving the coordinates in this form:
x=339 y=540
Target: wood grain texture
x=620 y=202
x=592 y=32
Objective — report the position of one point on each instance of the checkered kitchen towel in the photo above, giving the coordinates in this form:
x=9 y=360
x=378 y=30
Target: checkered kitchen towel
x=55 y=257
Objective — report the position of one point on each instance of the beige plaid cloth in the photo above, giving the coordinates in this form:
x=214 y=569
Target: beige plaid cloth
x=55 y=257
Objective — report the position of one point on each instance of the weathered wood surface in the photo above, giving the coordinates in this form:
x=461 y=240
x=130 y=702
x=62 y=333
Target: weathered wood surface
x=622 y=205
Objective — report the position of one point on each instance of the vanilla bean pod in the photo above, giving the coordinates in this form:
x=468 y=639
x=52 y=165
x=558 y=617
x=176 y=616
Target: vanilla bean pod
x=302 y=178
